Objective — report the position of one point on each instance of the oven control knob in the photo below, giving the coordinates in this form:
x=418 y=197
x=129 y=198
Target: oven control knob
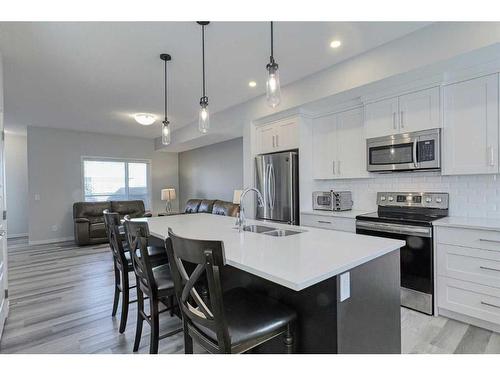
x=438 y=200
x=382 y=198
x=391 y=199
x=428 y=199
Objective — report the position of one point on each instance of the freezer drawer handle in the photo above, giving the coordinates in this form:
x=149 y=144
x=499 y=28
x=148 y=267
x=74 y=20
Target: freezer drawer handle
x=490 y=304
x=489 y=268
x=324 y=222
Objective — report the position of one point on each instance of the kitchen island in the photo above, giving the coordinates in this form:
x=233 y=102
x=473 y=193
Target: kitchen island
x=345 y=287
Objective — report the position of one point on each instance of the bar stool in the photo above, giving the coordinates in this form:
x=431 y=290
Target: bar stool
x=122 y=264
x=152 y=282
x=234 y=321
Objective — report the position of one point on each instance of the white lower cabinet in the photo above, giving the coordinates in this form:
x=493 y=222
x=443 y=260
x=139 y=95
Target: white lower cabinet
x=344 y=224
x=468 y=270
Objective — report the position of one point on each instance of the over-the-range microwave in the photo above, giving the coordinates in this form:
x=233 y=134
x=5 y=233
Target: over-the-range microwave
x=405 y=152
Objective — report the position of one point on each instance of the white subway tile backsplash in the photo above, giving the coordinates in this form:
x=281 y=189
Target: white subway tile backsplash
x=472 y=196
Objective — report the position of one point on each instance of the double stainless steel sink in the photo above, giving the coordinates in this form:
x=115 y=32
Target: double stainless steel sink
x=270 y=231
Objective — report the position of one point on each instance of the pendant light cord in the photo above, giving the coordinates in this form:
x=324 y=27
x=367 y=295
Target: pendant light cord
x=166 y=102
x=272 y=41
x=203 y=55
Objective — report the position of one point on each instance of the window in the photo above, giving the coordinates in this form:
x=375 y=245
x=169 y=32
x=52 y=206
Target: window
x=112 y=179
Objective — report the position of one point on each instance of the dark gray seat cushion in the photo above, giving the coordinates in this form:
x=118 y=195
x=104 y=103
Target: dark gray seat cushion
x=250 y=315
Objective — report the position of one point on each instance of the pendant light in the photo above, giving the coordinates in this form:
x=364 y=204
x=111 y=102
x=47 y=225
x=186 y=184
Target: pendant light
x=165 y=127
x=273 y=91
x=204 y=116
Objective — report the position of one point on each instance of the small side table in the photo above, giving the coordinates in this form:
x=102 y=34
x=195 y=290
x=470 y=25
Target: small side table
x=170 y=213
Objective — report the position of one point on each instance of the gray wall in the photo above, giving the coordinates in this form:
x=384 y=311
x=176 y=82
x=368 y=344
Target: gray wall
x=16 y=181
x=54 y=172
x=213 y=171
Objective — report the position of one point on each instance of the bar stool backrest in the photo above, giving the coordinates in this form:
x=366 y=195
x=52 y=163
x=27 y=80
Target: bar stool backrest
x=137 y=234
x=112 y=226
x=194 y=263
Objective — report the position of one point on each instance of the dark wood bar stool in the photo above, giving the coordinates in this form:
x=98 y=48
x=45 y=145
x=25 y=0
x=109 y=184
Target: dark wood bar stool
x=122 y=264
x=153 y=282
x=234 y=321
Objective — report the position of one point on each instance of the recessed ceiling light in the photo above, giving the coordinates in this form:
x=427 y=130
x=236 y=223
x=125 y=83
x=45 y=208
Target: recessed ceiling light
x=145 y=118
x=335 y=43
x=252 y=83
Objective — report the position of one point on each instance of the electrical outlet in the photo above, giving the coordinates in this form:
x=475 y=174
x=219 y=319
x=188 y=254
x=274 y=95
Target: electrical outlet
x=55 y=228
x=37 y=197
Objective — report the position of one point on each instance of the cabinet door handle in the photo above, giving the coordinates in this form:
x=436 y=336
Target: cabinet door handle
x=489 y=268
x=277 y=140
x=273 y=142
x=490 y=304
x=333 y=164
x=401 y=120
x=324 y=222
x=491 y=156
x=338 y=167
x=394 y=120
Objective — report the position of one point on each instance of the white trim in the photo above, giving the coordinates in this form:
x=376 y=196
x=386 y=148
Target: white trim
x=16 y=235
x=52 y=240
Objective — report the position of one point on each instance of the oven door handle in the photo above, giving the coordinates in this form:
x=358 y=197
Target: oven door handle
x=395 y=228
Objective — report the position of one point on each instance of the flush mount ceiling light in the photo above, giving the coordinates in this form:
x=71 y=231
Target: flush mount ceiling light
x=335 y=43
x=252 y=83
x=204 y=116
x=145 y=119
x=273 y=91
x=165 y=127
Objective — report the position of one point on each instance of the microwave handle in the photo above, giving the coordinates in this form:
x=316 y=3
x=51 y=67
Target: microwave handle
x=415 y=161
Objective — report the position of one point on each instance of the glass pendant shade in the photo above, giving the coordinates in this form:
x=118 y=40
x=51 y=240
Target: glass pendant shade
x=165 y=132
x=204 y=120
x=273 y=91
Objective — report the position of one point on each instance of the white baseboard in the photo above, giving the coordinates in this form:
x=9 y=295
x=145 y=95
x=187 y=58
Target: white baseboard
x=470 y=320
x=16 y=235
x=52 y=240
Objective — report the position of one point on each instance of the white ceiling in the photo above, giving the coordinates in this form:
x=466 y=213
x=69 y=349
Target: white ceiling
x=93 y=76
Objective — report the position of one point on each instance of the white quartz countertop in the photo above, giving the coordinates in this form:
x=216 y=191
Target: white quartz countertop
x=468 y=222
x=350 y=214
x=296 y=261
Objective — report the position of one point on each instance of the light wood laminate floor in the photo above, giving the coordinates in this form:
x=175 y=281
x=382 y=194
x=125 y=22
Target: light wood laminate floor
x=61 y=297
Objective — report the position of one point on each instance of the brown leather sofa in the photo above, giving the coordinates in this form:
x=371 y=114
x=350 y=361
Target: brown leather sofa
x=210 y=206
x=89 y=220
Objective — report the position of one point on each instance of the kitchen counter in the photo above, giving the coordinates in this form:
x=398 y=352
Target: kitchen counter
x=468 y=222
x=344 y=287
x=296 y=262
x=350 y=214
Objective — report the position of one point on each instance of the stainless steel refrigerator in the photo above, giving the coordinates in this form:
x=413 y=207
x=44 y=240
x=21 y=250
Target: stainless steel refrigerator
x=277 y=178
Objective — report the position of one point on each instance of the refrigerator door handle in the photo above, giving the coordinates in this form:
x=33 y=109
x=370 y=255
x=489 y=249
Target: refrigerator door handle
x=273 y=177
x=268 y=185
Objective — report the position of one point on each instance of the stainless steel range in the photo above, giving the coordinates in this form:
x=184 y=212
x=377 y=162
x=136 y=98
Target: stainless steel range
x=409 y=217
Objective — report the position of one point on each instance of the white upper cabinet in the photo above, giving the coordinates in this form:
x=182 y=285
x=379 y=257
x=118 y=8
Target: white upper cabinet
x=324 y=147
x=339 y=147
x=470 y=134
x=407 y=113
x=351 y=145
x=419 y=110
x=278 y=136
x=381 y=118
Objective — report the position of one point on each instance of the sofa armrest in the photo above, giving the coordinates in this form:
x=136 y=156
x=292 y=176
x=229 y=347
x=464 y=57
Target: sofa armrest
x=81 y=220
x=147 y=214
x=82 y=231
